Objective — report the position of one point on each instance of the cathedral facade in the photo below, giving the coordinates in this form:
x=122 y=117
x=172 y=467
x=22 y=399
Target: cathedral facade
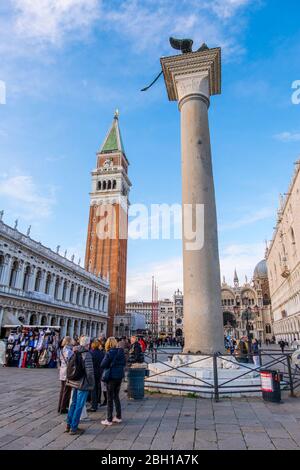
x=247 y=307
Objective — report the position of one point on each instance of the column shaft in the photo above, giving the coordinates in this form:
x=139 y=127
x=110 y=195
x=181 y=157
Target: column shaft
x=201 y=269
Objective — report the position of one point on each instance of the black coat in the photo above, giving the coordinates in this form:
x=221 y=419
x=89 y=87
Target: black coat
x=98 y=356
x=117 y=356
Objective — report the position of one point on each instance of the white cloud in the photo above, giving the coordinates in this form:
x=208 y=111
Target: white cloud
x=249 y=219
x=25 y=198
x=288 y=137
x=227 y=8
x=148 y=24
x=169 y=277
x=242 y=257
x=31 y=32
x=145 y=23
x=52 y=20
x=167 y=273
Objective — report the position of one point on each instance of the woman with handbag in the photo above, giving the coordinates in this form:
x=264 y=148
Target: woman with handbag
x=113 y=366
x=66 y=352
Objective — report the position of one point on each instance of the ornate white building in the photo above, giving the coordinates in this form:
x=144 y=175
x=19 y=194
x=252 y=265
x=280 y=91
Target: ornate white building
x=170 y=314
x=144 y=308
x=41 y=287
x=178 y=313
x=253 y=296
x=283 y=260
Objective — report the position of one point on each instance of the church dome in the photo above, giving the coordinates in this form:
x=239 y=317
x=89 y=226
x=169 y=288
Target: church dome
x=261 y=270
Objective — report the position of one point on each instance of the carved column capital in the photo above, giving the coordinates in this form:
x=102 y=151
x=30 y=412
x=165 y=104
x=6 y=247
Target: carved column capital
x=193 y=86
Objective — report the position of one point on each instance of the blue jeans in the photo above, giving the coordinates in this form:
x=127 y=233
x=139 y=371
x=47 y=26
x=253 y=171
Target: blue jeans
x=78 y=401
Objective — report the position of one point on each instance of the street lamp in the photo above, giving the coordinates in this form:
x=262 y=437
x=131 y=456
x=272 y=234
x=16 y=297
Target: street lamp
x=247 y=315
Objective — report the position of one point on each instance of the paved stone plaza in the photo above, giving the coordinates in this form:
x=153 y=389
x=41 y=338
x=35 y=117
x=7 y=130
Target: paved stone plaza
x=28 y=420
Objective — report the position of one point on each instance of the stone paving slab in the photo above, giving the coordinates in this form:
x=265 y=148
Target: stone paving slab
x=29 y=420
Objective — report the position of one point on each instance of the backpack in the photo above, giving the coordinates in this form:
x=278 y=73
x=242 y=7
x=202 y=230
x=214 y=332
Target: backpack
x=75 y=367
x=44 y=358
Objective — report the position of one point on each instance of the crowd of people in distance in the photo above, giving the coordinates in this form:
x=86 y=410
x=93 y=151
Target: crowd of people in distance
x=295 y=344
x=165 y=341
x=246 y=350
x=243 y=350
x=89 y=370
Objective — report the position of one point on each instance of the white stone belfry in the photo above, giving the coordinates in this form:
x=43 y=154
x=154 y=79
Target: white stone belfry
x=191 y=79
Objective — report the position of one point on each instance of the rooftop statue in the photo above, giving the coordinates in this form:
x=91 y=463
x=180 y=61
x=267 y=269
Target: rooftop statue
x=186 y=45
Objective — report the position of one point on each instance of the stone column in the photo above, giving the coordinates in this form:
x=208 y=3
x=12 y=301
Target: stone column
x=81 y=296
x=1 y=315
x=72 y=328
x=60 y=289
x=100 y=301
x=52 y=285
x=67 y=299
x=43 y=281
x=79 y=327
x=63 y=330
x=87 y=298
x=32 y=278
x=76 y=287
x=6 y=270
x=191 y=79
x=20 y=276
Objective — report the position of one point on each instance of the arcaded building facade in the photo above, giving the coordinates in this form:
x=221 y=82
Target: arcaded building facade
x=283 y=260
x=40 y=287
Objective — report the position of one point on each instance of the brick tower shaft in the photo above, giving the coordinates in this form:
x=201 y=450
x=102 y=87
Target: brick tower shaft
x=106 y=247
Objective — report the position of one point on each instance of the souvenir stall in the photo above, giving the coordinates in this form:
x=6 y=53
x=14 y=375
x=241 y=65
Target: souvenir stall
x=31 y=346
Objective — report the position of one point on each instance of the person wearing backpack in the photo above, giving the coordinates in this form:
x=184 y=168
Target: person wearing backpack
x=113 y=366
x=66 y=351
x=80 y=376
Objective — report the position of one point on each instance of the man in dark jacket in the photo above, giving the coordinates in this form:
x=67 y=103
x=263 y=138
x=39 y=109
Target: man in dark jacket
x=135 y=353
x=282 y=345
x=81 y=387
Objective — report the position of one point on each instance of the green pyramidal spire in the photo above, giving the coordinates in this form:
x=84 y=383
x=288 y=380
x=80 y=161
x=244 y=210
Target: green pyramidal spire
x=113 y=141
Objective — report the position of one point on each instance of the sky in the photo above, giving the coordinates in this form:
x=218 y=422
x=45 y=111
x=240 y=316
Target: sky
x=66 y=65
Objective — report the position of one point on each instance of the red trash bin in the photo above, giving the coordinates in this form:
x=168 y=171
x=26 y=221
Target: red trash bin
x=270 y=385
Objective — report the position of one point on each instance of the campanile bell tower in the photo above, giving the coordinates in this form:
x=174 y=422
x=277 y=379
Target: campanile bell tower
x=106 y=247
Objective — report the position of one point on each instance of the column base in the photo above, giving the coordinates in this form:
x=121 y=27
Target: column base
x=194 y=375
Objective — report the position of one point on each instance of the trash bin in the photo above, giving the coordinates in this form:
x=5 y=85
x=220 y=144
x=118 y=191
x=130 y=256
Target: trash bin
x=270 y=385
x=136 y=381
